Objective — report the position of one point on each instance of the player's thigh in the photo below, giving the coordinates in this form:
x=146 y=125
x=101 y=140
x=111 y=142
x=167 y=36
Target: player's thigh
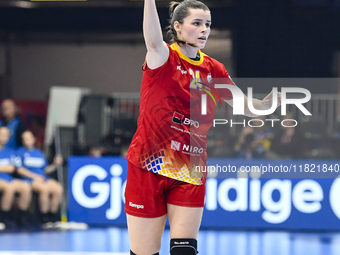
x=54 y=187
x=145 y=234
x=184 y=221
x=4 y=185
x=185 y=208
x=39 y=186
x=21 y=186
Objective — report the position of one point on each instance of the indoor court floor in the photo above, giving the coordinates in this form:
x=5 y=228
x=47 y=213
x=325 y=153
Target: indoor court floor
x=114 y=241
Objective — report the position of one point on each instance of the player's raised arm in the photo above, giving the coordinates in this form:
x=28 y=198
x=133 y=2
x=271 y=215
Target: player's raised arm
x=158 y=52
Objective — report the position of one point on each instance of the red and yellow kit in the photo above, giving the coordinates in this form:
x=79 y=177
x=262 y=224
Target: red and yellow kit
x=171 y=138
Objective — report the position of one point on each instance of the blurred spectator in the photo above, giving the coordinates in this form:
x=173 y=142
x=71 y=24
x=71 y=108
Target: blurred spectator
x=11 y=120
x=254 y=142
x=244 y=147
x=10 y=186
x=96 y=152
x=34 y=168
x=288 y=141
x=263 y=136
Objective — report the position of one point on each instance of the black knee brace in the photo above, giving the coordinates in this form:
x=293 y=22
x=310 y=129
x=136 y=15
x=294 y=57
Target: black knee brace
x=132 y=253
x=183 y=246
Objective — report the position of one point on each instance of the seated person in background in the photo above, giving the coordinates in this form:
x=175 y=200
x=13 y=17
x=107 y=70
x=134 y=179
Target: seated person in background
x=10 y=186
x=11 y=120
x=262 y=138
x=254 y=142
x=288 y=141
x=33 y=167
x=244 y=147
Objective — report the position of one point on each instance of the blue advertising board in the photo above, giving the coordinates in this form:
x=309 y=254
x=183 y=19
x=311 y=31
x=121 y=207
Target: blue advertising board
x=96 y=190
x=241 y=199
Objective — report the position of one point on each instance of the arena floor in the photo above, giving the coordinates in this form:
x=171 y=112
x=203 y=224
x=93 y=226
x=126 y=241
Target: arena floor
x=114 y=241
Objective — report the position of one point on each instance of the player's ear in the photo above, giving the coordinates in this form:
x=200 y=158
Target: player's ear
x=177 y=27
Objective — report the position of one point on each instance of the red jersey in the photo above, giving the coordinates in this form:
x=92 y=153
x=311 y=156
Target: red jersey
x=171 y=137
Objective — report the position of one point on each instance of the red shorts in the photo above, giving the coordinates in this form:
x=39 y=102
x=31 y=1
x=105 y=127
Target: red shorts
x=147 y=194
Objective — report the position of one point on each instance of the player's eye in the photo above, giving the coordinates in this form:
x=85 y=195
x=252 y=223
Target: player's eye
x=208 y=25
x=196 y=23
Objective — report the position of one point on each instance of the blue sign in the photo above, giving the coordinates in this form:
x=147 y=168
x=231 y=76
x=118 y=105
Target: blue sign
x=96 y=190
x=245 y=200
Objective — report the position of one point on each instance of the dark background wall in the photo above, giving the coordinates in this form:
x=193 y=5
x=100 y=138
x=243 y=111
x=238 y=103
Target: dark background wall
x=282 y=39
x=270 y=38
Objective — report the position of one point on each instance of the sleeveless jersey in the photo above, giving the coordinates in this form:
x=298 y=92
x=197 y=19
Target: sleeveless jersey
x=171 y=137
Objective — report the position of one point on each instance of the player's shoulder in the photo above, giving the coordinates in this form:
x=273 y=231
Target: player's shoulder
x=37 y=151
x=20 y=150
x=40 y=152
x=173 y=51
x=7 y=150
x=10 y=151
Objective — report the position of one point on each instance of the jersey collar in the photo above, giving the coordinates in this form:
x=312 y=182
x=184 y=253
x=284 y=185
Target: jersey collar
x=193 y=62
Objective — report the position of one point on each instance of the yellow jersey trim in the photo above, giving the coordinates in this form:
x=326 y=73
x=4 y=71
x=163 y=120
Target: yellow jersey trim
x=193 y=62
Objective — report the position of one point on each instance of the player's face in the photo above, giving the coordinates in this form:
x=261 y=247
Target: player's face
x=196 y=28
x=28 y=140
x=4 y=136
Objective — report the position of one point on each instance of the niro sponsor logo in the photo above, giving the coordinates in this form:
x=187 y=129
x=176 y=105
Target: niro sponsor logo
x=186 y=148
x=175 y=145
x=192 y=149
x=136 y=206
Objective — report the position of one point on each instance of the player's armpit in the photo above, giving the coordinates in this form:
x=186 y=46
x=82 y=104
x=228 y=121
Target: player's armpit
x=156 y=57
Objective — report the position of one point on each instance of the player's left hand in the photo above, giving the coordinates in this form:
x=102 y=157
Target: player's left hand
x=267 y=102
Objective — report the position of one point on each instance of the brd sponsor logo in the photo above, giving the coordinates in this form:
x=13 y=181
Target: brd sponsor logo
x=178 y=118
x=306 y=196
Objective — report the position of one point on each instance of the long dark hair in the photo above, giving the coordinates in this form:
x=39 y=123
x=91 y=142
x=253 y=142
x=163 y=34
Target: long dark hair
x=178 y=12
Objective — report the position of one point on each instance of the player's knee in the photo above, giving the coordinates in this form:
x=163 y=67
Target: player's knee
x=183 y=246
x=132 y=253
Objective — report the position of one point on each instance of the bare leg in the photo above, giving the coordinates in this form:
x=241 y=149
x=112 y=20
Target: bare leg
x=42 y=189
x=56 y=190
x=7 y=196
x=184 y=221
x=145 y=234
x=25 y=193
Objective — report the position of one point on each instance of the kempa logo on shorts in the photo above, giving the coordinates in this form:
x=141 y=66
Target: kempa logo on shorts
x=136 y=206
